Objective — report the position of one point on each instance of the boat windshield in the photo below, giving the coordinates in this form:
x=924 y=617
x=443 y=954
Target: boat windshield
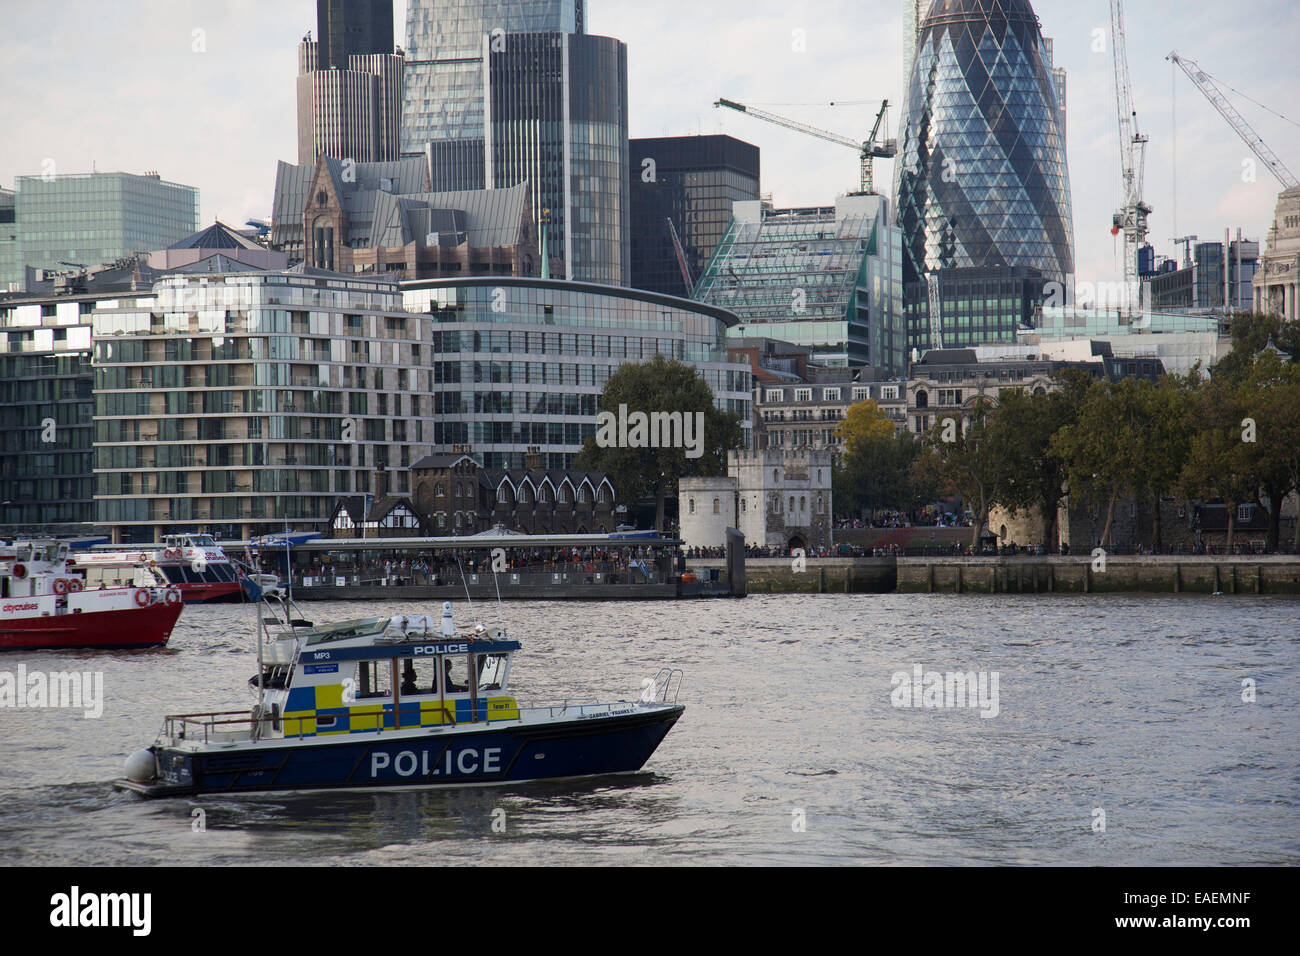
x=347 y=629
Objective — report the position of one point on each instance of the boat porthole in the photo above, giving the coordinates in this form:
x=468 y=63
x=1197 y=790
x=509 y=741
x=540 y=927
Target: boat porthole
x=539 y=756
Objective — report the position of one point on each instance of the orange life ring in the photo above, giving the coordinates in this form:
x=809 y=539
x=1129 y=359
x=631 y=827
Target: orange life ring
x=76 y=584
x=152 y=563
x=170 y=553
x=173 y=596
x=20 y=571
x=142 y=597
x=60 y=585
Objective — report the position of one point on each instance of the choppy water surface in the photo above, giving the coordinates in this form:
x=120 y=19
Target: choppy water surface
x=1131 y=705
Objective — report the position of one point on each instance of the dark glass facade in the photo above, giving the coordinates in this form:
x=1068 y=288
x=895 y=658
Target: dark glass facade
x=46 y=460
x=692 y=180
x=558 y=121
x=976 y=306
x=981 y=178
x=352 y=27
x=509 y=91
x=445 y=41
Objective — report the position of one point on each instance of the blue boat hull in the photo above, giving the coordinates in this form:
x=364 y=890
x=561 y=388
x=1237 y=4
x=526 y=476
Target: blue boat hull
x=605 y=745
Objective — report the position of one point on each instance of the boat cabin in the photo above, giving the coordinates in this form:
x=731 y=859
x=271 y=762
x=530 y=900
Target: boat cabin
x=176 y=541
x=387 y=673
x=30 y=568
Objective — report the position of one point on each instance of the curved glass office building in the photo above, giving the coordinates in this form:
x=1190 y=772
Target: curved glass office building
x=520 y=363
x=981 y=177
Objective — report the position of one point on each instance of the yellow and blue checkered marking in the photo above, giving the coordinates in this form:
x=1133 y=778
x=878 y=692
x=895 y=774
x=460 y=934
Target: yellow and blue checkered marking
x=312 y=711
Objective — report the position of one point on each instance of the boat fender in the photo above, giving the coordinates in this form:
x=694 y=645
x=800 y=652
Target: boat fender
x=173 y=596
x=60 y=585
x=20 y=571
x=141 y=767
x=142 y=597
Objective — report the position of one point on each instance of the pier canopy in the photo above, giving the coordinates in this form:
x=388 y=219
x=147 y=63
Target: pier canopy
x=493 y=538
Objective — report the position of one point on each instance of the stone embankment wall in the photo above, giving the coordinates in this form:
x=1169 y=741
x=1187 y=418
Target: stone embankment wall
x=1204 y=574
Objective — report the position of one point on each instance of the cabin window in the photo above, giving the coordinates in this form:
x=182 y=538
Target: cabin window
x=456 y=668
x=418 y=677
x=491 y=671
x=375 y=679
x=173 y=573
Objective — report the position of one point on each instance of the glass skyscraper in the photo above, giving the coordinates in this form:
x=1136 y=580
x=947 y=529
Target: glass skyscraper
x=445 y=44
x=96 y=218
x=981 y=179
x=499 y=93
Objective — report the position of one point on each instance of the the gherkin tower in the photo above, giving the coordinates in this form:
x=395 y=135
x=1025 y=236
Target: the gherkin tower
x=981 y=177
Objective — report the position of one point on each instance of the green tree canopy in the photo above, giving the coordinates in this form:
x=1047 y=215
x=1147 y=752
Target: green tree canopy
x=666 y=386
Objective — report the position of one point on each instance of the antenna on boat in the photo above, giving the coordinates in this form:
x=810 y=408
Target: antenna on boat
x=465 y=583
x=261 y=664
x=288 y=565
x=501 y=612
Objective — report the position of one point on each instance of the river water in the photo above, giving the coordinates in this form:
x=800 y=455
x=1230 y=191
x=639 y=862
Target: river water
x=1120 y=737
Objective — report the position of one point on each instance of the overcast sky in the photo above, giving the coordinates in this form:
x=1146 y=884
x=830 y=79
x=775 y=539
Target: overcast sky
x=203 y=92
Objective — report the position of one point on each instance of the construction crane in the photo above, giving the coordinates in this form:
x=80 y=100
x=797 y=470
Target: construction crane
x=868 y=151
x=1220 y=102
x=1186 y=243
x=681 y=258
x=1131 y=219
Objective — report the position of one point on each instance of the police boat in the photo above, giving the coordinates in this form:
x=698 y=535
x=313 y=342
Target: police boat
x=404 y=701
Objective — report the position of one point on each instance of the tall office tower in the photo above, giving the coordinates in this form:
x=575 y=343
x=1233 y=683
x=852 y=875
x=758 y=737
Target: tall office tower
x=981 y=179
x=498 y=93
x=445 y=44
x=348 y=28
x=557 y=119
x=350 y=84
x=691 y=181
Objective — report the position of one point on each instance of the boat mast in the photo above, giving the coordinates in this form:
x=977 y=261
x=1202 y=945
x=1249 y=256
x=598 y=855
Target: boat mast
x=261 y=667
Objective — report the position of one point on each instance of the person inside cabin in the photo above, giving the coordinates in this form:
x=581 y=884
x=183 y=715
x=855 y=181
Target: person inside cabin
x=451 y=686
x=408 y=679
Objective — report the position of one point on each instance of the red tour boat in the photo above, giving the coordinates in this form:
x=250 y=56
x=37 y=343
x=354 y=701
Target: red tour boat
x=194 y=563
x=45 y=603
